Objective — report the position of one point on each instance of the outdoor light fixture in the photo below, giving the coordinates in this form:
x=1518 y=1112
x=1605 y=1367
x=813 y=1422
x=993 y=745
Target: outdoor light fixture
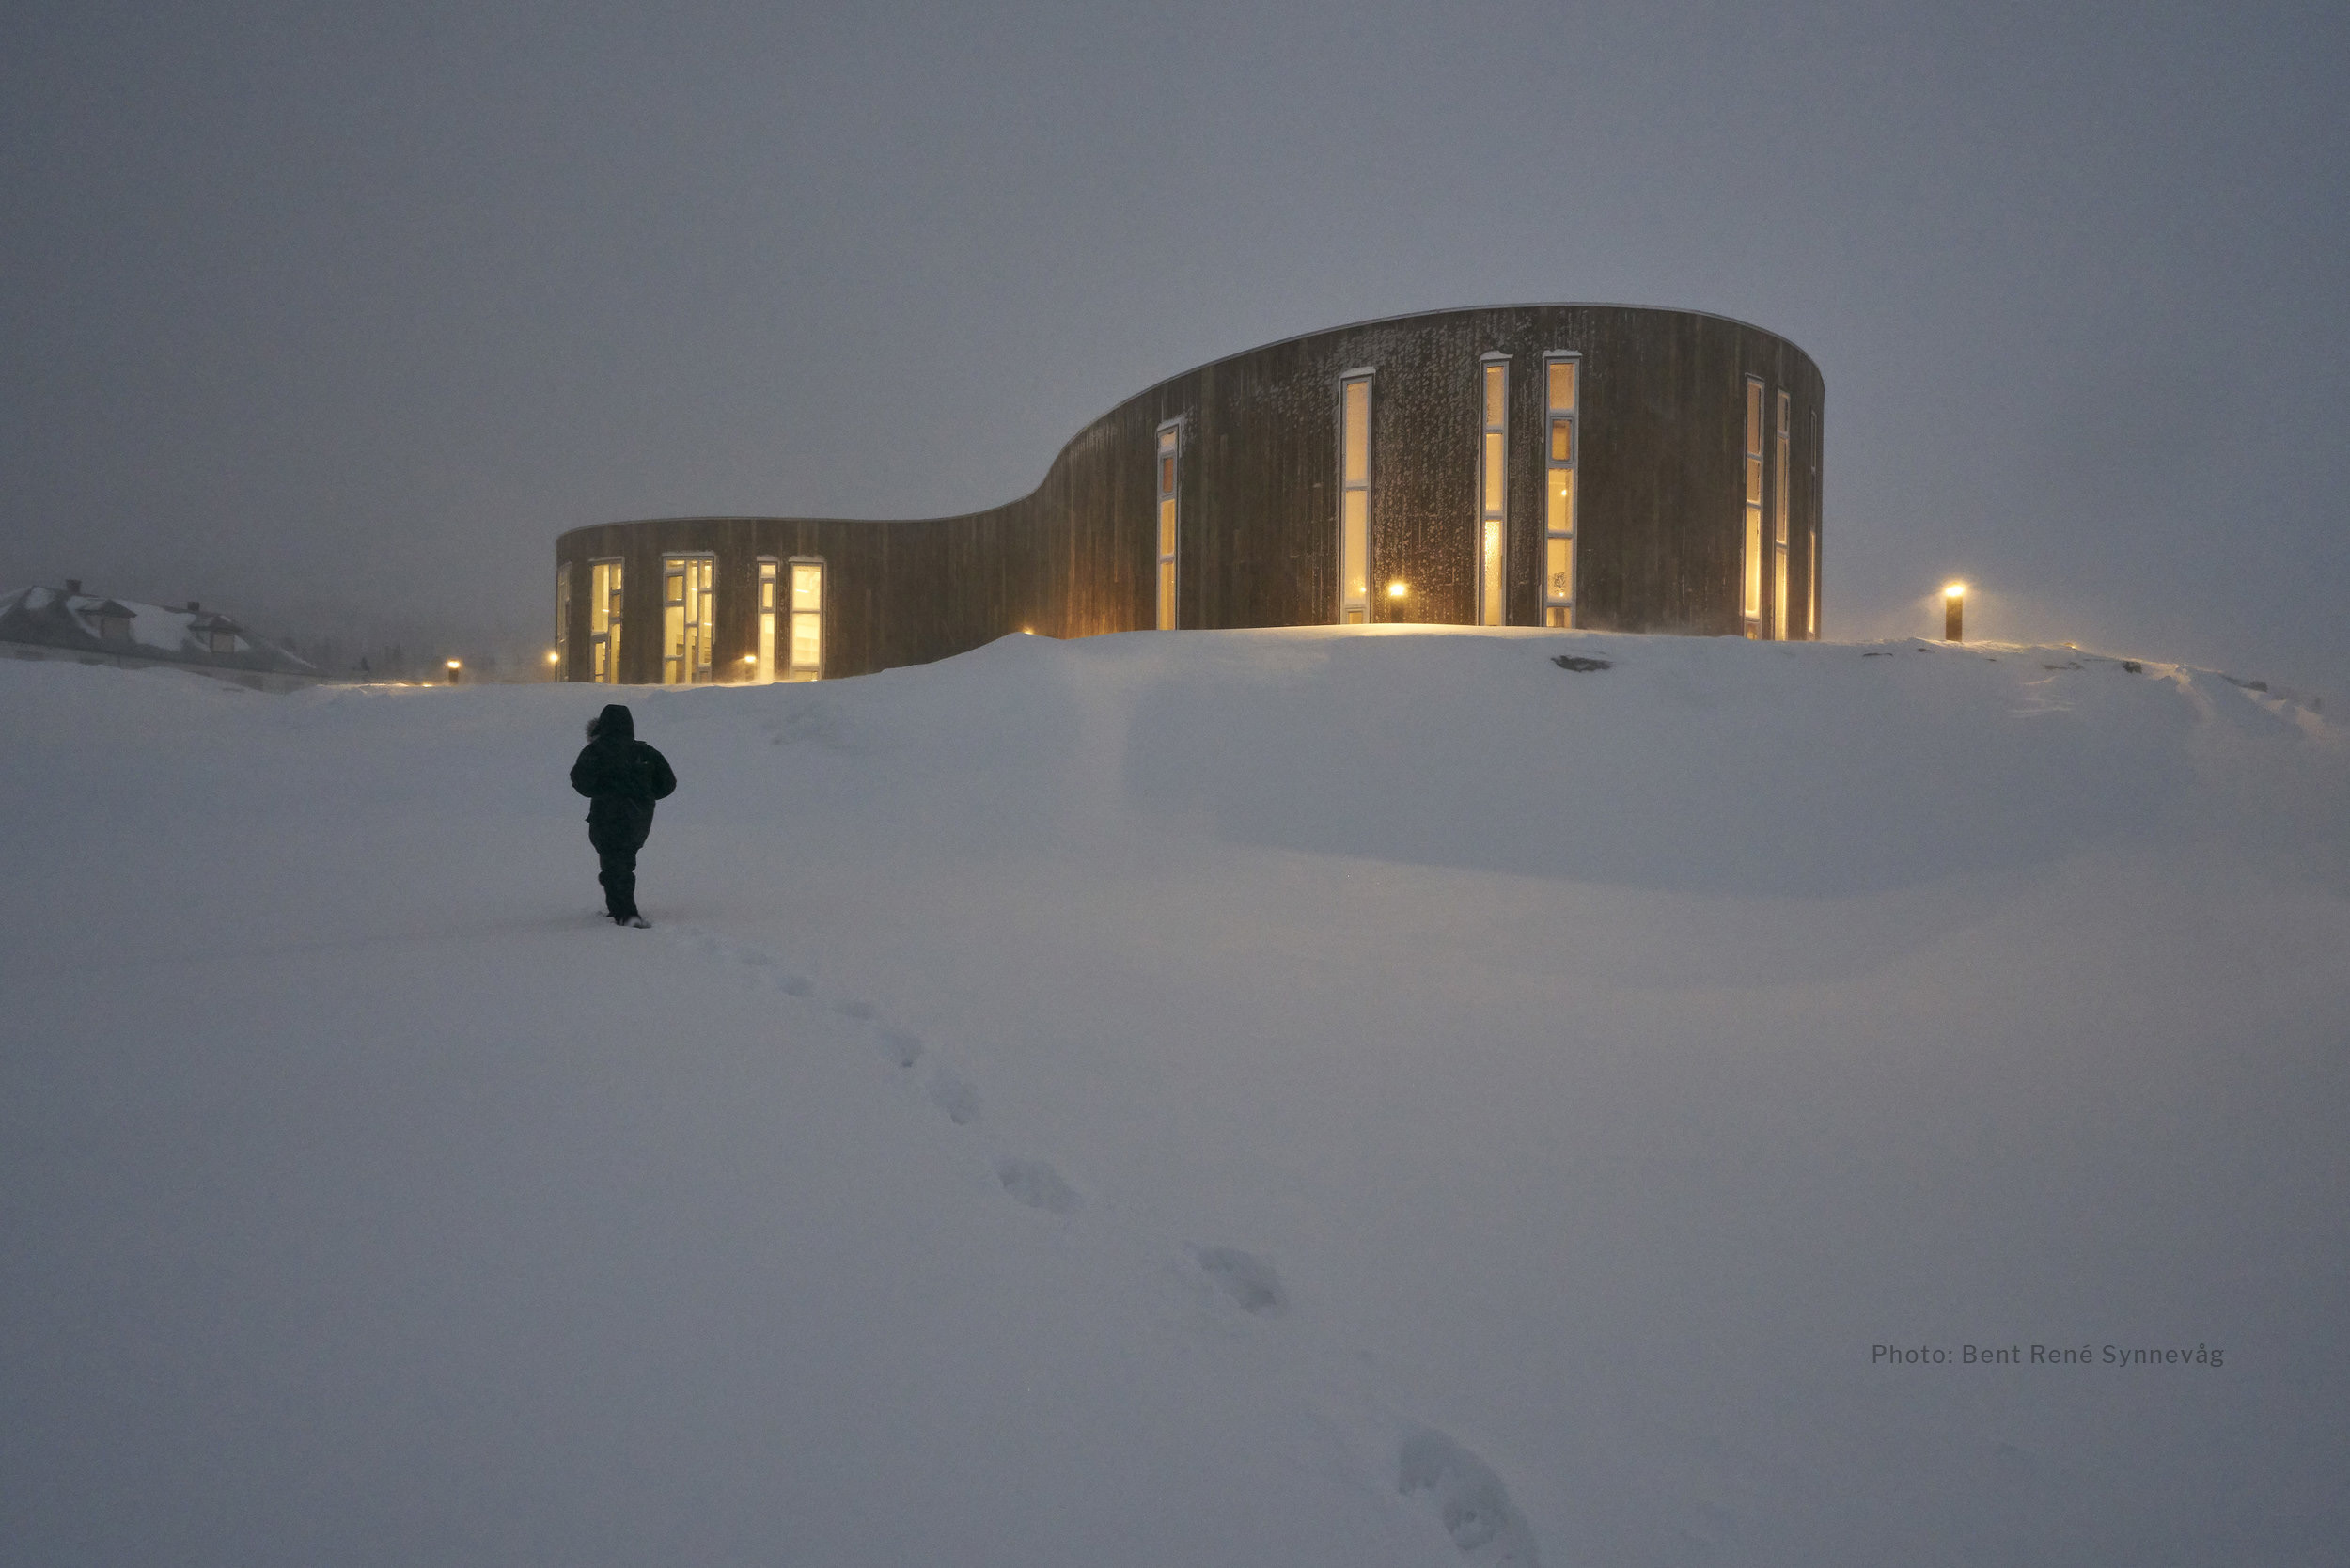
x=1955 y=612
x=455 y=665
x=553 y=656
x=1396 y=589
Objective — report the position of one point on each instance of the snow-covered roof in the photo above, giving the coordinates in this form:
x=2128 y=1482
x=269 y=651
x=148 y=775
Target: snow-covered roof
x=53 y=618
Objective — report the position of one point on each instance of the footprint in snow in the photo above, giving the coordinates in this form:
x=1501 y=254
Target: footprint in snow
x=951 y=1093
x=854 y=1008
x=1036 y=1184
x=796 y=985
x=1246 y=1278
x=904 y=1047
x=1470 y=1500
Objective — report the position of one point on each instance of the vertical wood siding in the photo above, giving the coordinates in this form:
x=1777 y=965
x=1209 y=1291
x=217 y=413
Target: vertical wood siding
x=1660 y=518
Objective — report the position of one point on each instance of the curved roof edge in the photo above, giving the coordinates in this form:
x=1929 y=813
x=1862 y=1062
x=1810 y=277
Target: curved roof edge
x=1465 y=311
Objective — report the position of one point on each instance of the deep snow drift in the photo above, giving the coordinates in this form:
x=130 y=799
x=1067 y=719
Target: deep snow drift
x=1303 y=1097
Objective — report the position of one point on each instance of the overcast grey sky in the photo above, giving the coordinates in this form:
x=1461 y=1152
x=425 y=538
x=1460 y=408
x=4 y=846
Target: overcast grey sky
x=340 y=314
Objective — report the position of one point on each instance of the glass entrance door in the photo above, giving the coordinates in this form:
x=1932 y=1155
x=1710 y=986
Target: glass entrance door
x=768 y=609
x=688 y=602
x=605 y=583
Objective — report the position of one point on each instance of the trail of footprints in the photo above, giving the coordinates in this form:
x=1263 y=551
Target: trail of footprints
x=1032 y=1181
x=1465 y=1494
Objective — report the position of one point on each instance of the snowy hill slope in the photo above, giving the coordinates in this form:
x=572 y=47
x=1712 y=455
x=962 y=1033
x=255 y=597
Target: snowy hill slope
x=1302 y=1097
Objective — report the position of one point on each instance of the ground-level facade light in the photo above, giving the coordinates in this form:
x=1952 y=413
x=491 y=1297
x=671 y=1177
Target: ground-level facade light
x=456 y=669
x=1954 y=613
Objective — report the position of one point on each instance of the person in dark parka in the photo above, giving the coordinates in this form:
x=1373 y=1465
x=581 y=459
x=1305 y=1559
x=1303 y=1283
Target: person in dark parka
x=621 y=776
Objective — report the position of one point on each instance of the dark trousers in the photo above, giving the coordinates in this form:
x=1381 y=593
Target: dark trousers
x=618 y=835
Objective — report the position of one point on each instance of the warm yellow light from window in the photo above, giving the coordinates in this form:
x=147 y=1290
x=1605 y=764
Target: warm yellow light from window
x=1956 y=590
x=1396 y=590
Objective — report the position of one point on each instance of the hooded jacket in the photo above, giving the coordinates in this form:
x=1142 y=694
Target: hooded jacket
x=620 y=776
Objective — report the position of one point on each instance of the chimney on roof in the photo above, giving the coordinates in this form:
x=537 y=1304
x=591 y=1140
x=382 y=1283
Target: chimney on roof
x=73 y=587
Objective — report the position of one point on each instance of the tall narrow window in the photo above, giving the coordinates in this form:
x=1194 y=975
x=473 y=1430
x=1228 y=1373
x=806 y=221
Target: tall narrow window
x=769 y=583
x=1560 y=456
x=1779 y=525
x=1492 y=488
x=688 y=604
x=1812 y=616
x=604 y=619
x=808 y=621
x=1170 y=445
x=1354 y=499
x=1751 y=601
x=563 y=623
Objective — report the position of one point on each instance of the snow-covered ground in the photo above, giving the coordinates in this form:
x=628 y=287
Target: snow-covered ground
x=1265 y=1097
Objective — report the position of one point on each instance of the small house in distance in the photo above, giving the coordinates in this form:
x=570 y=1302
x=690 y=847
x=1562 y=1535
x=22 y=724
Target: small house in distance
x=53 y=623
x=1607 y=467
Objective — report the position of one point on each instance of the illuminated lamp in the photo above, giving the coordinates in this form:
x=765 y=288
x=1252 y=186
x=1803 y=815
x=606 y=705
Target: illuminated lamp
x=456 y=668
x=1396 y=589
x=1954 y=613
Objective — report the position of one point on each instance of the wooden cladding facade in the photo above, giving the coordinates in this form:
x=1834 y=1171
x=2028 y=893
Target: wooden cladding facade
x=1661 y=416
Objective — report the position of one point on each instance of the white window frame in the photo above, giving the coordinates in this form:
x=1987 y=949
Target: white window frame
x=605 y=646
x=1359 y=609
x=1812 y=618
x=1573 y=462
x=1781 y=461
x=704 y=667
x=1753 y=404
x=1493 y=519
x=823 y=618
x=768 y=611
x=1166 y=575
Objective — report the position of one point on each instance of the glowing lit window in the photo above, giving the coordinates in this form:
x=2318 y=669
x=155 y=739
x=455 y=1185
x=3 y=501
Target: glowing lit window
x=604 y=598
x=1170 y=451
x=1751 y=601
x=1560 y=415
x=808 y=621
x=563 y=623
x=1492 y=489
x=1354 y=499
x=689 y=618
x=769 y=570
x=1778 y=526
x=1811 y=607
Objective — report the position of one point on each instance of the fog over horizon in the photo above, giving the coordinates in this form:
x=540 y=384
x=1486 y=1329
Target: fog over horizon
x=336 y=319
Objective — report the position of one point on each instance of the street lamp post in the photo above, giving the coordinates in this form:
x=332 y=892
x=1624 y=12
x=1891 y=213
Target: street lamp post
x=1954 y=613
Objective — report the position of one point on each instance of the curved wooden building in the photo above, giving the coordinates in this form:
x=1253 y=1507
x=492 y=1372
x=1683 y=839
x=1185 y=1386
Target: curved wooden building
x=1608 y=466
